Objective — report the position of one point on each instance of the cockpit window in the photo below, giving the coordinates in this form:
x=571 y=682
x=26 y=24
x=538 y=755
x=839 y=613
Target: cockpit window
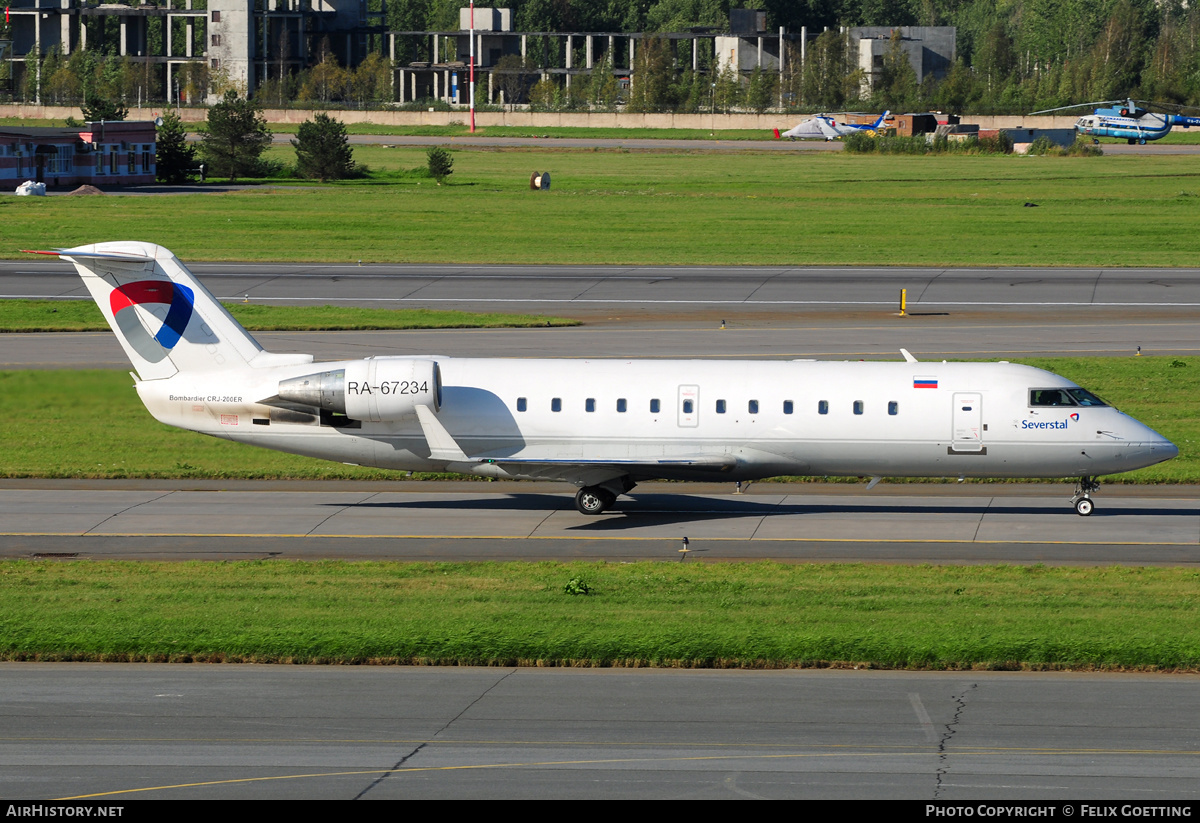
x=1063 y=397
x=1050 y=397
x=1085 y=398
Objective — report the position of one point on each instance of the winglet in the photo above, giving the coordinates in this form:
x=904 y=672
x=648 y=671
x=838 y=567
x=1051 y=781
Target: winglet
x=442 y=446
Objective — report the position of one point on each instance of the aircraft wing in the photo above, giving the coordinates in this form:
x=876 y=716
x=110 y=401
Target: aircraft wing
x=595 y=471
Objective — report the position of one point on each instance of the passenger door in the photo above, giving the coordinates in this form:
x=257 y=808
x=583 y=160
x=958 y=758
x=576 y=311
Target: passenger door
x=968 y=422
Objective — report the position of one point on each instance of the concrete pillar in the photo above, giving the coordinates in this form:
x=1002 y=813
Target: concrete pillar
x=631 y=60
x=435 y=85
x=570 y=47
x=524 y=43
x=491 y=93
x=760 y=52
x=190 y=31
x=590 y=58
x=695 y=60
x=803 y=46
x=64 y=30
x=436 y=55
x=124 y=36
x=413 y=74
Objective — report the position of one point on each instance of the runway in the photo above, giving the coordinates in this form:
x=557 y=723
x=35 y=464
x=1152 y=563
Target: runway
x=114 y=733
x=220 y=520
x=679 y=312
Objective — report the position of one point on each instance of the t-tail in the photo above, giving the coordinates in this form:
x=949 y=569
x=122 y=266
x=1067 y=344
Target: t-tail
x=165 y=320
x=879 y=124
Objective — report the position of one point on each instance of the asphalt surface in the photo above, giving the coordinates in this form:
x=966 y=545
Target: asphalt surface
x=767 y=312
x=114 y=733
x=223 y=520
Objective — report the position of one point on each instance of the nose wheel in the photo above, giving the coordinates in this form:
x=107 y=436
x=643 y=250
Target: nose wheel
x=1082 y=499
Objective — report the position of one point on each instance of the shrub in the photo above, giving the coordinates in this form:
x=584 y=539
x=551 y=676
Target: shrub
x=441 y=164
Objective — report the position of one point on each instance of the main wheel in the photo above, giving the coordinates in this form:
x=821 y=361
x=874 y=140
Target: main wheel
x=593 y=500
x=1084 y=506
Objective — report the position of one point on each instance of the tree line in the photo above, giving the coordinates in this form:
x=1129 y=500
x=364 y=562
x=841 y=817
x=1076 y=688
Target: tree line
x=1012 y=56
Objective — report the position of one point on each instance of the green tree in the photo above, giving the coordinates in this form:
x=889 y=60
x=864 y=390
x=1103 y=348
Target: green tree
x=175 y=157
x=322 y=149
x=653 y=76
x=235 y=138
x=440 y=163
x=326 y=81
x=96 y=108
x=896 y=85
x=760 y=93
x=515 y=76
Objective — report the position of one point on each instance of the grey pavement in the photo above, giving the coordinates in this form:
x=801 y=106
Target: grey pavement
x=114 y=733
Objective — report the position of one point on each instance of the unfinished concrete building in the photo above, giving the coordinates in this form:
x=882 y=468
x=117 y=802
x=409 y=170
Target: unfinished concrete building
x=243 y=42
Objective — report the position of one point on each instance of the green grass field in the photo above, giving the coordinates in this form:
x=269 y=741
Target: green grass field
x=777 y=208
x=50 y=433
x=82 y=315
x=661 y=614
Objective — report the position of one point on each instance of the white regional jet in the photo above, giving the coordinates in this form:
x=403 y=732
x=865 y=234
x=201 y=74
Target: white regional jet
x=602 y=425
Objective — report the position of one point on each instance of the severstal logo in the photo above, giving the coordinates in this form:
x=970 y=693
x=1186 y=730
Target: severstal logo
x=1051 y=424
x=179 y=299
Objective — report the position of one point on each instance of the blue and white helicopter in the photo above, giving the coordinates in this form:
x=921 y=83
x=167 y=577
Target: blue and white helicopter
x=1127 y=120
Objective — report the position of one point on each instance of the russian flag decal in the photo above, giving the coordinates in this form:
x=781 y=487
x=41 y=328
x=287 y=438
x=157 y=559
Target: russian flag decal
x=925 y=382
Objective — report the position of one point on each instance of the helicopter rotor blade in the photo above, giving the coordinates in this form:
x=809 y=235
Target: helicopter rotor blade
x=1081 y=106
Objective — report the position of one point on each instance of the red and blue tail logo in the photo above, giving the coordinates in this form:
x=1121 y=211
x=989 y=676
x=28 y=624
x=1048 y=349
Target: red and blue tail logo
x=181 y=302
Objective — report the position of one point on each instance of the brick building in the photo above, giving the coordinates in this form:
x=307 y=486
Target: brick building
x=99 y=154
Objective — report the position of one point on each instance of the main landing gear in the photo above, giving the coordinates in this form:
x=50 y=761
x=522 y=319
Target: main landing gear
x=593 y=499
x=596 y=499
x=1082 y=499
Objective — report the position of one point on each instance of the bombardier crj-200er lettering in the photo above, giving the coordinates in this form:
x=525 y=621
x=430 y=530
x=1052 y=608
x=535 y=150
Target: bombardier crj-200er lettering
x=603 y=425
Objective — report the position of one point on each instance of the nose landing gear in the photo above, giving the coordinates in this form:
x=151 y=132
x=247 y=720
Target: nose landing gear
x=1082 y=499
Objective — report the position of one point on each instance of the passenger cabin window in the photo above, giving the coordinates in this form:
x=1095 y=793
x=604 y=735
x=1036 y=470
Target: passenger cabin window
x=521 y=404
x=654 y=406
x=752 y=407
x=556 y=404
x=787 y=407
x=893 y=408
x=621 y=405
x=858 y=407
x=688 y=406
x=720 y=407
x=823 y=407
x=589 y=404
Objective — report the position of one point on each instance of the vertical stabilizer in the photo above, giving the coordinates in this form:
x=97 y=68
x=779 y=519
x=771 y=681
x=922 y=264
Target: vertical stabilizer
x=166 y=321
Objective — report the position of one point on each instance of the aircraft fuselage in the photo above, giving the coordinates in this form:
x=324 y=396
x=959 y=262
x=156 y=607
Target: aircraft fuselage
x=589 y=420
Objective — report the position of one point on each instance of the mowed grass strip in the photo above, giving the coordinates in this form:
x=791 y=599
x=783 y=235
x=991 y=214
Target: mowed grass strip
x=83 y=315
x=660 y=614
x=641 y=208
x=91 y=424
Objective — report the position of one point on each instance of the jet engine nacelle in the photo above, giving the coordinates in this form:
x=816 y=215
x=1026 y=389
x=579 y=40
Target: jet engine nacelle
x=379 y=389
